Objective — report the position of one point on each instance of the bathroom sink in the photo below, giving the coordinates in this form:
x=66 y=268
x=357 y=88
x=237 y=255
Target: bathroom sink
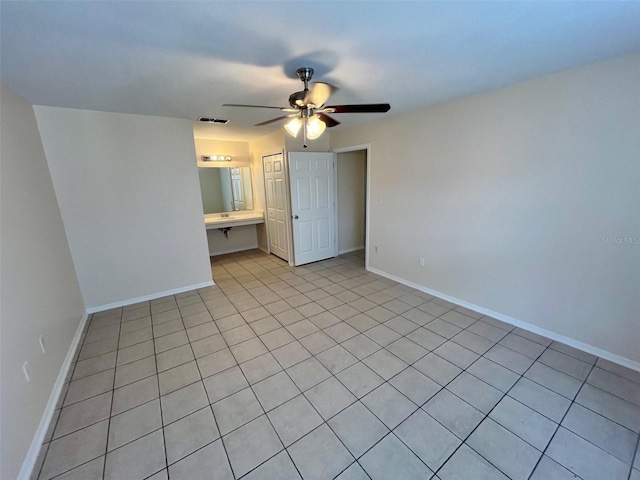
x=216 y=220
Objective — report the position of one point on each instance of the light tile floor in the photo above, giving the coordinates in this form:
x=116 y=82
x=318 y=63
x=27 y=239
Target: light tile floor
x=328 y=371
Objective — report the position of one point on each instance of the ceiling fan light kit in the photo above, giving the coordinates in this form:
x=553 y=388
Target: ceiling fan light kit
x=315 y=127
x=293 y=126
x=307 y=108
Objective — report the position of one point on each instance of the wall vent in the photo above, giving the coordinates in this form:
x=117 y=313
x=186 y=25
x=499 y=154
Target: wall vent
x=213 y=120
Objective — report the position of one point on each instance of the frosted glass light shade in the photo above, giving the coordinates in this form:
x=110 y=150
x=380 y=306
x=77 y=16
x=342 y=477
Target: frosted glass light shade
x=294 y=126
x=315 y=127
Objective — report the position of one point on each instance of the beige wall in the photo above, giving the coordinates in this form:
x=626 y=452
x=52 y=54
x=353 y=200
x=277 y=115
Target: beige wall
x=129 y=195
x=39 y=289
x=240 y=238
x=509 y=196
x=239 y=151
x=296 y=144
x=351 y=173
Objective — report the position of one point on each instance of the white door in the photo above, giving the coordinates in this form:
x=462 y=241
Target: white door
x=312 y=206
x=276 y=193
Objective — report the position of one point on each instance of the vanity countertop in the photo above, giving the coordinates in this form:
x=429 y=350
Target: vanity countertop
x=234 y=219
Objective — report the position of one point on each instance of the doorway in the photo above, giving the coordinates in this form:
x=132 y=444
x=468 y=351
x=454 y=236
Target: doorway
x=352 y=181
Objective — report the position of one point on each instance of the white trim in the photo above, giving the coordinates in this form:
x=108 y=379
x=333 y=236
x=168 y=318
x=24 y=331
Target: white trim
x=585 y=347
x=36 y=444
x=352 y=148
x=336 y=219
x=286 y=156
x=349 y=250
x=152 y=296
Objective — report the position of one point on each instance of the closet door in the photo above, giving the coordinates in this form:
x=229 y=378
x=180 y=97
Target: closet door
x=312 y=206
x=276 y=193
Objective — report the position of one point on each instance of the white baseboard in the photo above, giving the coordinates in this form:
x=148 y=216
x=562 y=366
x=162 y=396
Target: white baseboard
x=34 y=449
x=153 y=296
x=349 y=250
x=36 y=444
x=585 y=347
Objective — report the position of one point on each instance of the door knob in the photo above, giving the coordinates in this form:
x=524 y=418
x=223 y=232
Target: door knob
x=295 y=217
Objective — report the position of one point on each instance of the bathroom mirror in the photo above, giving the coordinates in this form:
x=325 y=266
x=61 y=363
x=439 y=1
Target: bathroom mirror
x=225 y=189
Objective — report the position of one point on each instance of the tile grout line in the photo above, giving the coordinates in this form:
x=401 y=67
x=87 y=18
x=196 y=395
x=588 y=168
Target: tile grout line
x=559 y=424
x=155 y=356
x=504 y=394
x=328 y=273
x=113 y=391
x=210 y=406
x=444 y=387
x=324 y=422
x=359 y=400
x=92 y=424
x=635 y=456
x=451 y=339
x=250 y=386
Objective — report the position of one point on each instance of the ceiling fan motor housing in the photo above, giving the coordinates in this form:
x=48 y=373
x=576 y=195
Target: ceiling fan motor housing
x=296 y=100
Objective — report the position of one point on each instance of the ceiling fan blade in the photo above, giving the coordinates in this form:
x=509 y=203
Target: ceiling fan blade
x=249 y=106
x=329 y=122
x=318 y=94
x=361 y=108
x=272 y=120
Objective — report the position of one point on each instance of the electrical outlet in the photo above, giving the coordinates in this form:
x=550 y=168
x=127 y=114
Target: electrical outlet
x=422 y=261
x=26 y=369
x=41 y=342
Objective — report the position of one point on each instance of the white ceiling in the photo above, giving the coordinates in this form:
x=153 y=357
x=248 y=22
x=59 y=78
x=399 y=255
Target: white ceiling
x=185 y=59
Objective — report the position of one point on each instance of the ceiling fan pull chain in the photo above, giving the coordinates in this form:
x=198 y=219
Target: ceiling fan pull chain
x=304 y=133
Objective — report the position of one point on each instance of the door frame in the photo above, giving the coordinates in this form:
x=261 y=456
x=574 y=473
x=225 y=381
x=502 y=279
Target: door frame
x=354 y=148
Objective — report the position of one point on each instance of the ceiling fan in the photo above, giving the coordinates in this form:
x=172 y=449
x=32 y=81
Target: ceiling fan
x=308 y=111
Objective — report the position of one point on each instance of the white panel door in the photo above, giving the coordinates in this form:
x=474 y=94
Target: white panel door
x=276 y=193
x=312 y=206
